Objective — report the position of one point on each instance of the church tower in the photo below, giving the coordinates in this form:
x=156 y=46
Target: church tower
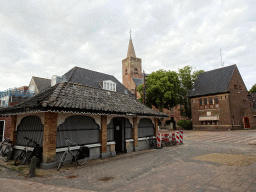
x=131 y=69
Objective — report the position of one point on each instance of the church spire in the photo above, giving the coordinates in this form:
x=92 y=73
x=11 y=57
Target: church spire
x=131 y=51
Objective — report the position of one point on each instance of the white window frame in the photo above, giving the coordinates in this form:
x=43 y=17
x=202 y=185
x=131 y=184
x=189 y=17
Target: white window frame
x=3 y=129
x=109 y=85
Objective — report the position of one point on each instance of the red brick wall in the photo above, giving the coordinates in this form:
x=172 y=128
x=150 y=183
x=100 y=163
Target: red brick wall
x=7 y=125
x=130 y=64
x=103 y=134
x=175 y=113
x=13 y=132
x=223 y=112
x=225 y=115
x=233 y=104
x=239 y=102
x=50 y=136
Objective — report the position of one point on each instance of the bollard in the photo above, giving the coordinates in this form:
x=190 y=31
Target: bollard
x=177 y=135
x=159 y=139
x=32 y=167
x=181 y=137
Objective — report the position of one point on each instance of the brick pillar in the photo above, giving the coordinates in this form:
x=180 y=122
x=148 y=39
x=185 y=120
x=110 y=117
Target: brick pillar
x=103 y=136
x=13 y=132
x=135 y=134
x=50 y=136
x=156 y=125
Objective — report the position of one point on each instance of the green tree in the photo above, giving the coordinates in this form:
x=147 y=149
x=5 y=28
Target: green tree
x=162 y=89
x=187 y=79
x=253 y=89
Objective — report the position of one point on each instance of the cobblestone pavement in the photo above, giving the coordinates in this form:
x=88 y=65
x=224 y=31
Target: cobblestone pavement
x=240 y=136
x=205 y=162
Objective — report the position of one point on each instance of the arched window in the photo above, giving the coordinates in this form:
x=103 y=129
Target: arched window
x=79 y=129
x=32 y=128
x=145 y=128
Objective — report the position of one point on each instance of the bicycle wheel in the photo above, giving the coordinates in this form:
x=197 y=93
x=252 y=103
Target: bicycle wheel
x=62 y=160
x=21 y=158
x=7 y=153
x=82 y=161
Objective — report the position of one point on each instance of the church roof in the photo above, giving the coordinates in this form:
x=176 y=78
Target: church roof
x=75 y=98
x=213 y=82
x=131 y=51
x=138 y=81
x=93 y=79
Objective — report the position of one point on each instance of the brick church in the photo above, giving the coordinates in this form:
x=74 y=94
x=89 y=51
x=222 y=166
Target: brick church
x=133 y=77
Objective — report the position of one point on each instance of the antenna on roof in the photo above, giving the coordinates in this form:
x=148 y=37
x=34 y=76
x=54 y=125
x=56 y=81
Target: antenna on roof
x=222 y=64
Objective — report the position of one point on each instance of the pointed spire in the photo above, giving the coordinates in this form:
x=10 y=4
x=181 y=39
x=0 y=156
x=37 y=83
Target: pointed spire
x=131 y=51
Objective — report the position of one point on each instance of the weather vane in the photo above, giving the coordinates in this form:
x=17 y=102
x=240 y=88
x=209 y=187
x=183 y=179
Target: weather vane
x=130 y=33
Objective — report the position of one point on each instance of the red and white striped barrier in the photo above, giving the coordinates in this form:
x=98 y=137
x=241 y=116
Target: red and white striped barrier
x=181 y=136
x=177 y=136
x=159 y=139
x=174 y=136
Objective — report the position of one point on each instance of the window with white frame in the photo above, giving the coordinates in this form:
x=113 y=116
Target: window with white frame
x=109 y=85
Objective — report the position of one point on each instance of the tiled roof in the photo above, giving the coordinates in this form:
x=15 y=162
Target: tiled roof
x=213 y=82
x=138 y=81
x=70 y=97
x=92 y=79
x=41 y=83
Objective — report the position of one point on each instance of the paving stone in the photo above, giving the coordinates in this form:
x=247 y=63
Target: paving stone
x=168 y=169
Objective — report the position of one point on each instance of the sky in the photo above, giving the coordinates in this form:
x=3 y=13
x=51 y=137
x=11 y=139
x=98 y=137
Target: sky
x=49 y=37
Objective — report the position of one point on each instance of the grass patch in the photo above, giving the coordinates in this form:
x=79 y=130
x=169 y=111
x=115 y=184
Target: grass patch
x=228 y=159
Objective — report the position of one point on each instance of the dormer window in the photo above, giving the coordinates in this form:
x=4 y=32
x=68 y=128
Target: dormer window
x=109 y=85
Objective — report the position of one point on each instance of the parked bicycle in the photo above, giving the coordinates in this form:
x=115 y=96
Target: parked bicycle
x=6 y=149
x=25 y=156
x=81 y=156
x=152 y=142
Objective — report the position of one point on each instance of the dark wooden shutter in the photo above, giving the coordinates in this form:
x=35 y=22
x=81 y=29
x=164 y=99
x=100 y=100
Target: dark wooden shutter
x=145 y=128
x=79 y=129
x=32 y=128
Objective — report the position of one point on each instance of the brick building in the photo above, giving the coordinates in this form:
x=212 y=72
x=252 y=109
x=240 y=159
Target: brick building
x=108 y=122
x=11 y=97
x=133 y=77
x=219 y=101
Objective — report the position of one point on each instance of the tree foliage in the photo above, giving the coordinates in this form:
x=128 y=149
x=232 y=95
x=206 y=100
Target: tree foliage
x=162 y=89
x=253 y=89
x=166 y=89
x=187 y=79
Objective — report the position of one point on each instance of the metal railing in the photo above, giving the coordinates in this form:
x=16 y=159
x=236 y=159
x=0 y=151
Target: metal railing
x=17 y=93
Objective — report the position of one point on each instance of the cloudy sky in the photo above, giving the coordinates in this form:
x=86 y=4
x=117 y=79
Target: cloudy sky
x=46 y=37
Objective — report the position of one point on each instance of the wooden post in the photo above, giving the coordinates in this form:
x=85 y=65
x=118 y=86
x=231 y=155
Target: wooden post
x=13 y=132
x=50 y=136
x=103 y=136
x=135 y=133
x=156 y=126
